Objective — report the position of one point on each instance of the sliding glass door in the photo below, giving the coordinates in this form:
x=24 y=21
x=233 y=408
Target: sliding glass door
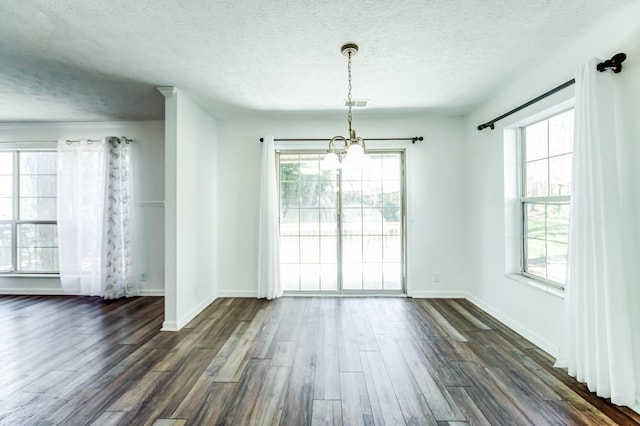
x=308 y=224
x=342 y=231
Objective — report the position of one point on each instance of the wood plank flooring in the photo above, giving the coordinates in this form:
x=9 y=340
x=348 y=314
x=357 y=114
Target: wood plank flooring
x=292 y=361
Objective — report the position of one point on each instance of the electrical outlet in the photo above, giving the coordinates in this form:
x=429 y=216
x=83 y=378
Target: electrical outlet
x=143 y=276
x=436 y=277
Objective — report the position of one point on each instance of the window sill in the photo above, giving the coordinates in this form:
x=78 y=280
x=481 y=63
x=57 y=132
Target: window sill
x=537 y=284
x=29 y=275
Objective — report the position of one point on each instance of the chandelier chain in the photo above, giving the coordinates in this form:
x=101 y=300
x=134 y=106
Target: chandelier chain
x=349 y=96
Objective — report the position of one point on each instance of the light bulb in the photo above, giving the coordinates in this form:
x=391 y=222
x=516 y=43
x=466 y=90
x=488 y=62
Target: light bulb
x=355 y=152
x=331 y=162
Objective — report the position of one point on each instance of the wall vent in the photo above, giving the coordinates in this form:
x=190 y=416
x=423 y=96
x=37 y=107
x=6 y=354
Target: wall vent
x=357 y=103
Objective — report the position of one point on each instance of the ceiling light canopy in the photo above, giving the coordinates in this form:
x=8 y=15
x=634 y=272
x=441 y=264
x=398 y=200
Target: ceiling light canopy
x=352 y=145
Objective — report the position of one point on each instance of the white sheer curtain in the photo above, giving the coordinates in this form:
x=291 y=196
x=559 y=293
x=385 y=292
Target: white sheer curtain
x=81 y=172
x=597 y=346
x=120 y=277
x=269 y=285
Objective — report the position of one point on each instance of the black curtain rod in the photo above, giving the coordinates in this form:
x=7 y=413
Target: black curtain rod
x=615 y=64
x=491 y=125
x=413 y=139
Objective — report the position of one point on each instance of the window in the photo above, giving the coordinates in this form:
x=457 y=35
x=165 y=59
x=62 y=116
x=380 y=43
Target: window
x=545 y=194
x=341 y=231
x=28 y=235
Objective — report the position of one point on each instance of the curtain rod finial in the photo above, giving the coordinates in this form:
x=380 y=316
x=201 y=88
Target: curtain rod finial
x=614 y=64
x=261 y=139
x=490 y=125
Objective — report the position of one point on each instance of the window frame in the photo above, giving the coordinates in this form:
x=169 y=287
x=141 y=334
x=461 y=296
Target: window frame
x=524 y=200
x=15 y=222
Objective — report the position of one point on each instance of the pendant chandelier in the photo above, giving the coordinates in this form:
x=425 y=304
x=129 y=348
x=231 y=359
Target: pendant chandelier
x=352 y=145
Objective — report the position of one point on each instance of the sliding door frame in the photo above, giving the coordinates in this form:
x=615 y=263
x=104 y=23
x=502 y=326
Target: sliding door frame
x=340 y=291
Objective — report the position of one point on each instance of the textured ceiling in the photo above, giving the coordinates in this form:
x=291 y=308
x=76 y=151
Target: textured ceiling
x=86 y=60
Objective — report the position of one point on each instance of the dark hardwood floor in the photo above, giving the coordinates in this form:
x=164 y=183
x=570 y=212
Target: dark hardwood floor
x=293 y=361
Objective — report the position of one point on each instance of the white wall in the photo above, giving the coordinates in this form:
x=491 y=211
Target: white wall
x=435 y=207
x=149 y=138
x=191 y=211
x=534 y=313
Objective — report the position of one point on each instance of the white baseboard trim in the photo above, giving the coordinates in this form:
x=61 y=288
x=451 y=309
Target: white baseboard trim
x=17 y=291
x=184 y=319
x=438 y=294
x=533 y=337
x=238 y=293
x=169 y=326
x=152 y=292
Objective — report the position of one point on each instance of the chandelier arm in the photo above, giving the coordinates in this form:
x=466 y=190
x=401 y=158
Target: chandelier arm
x=334 y=139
